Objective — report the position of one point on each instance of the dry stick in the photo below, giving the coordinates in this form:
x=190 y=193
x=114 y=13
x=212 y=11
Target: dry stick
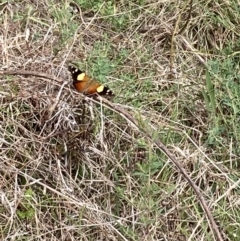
x=33 y=73
x=144 y=132
x=164 y=149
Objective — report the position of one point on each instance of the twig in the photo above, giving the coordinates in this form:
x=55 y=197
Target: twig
x=33 y=73
x=127 y=116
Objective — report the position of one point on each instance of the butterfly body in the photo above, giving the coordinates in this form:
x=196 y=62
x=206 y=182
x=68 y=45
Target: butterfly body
x=86 y=85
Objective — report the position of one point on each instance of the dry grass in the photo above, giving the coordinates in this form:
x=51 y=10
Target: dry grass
x=74 y=170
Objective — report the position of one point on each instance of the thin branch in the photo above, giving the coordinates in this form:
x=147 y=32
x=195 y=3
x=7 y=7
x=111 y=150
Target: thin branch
x=33 y=73
x=127 y=116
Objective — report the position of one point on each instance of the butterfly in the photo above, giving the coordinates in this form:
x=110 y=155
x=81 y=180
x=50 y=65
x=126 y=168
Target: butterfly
x=86 y=85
